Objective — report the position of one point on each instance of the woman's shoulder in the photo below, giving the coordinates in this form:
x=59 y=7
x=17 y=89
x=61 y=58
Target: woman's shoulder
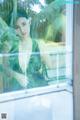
x=15 y=48
x=42 y=44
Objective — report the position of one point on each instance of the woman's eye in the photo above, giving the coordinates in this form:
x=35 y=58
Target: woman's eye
x=23 y=23
x=16 y=27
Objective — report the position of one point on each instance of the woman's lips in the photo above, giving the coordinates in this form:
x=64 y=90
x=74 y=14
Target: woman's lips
x=24 y=33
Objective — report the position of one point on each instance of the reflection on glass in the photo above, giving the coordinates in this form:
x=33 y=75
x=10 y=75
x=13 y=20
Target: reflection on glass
x=15 y=77
x=32 y=44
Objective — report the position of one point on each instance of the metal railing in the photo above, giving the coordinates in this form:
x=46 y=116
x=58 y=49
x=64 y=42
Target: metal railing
x=56 y=75
x=59 y=72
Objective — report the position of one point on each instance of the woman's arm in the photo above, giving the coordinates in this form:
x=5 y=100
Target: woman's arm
x=21 y=78
x=45 y=56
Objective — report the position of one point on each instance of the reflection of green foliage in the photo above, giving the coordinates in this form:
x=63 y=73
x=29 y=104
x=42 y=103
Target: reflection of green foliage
x=3 y=26
x=54 y=30
x=7 y=35
x=51 y=13
x=53 y=24
x=49 y=1
x=6 y=8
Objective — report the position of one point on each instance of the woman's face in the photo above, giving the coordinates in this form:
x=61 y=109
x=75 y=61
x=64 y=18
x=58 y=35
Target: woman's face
x=23 y=27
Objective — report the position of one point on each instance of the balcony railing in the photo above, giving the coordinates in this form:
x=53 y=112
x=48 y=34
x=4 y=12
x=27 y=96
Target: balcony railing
x=56 y=75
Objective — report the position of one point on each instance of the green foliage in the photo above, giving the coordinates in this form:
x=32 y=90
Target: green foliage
x=6 y=8
x=7 y=36
x=51 y=29
x=49 y=1
x=52 y=13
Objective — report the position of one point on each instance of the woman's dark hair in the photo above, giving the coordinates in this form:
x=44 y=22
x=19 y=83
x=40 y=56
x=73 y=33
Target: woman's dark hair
x=21 y=13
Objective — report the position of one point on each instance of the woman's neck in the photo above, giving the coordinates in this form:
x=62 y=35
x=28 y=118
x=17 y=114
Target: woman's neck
x=26 y=44
x=26 y=41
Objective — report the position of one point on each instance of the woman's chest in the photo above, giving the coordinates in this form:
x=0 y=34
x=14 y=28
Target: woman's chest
x=24 y=56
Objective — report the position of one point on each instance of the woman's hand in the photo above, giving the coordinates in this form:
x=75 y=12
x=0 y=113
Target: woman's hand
x=22 y=79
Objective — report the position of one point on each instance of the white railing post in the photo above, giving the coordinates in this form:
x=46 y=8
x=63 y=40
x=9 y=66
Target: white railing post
x=57 y=67
x=69 y=40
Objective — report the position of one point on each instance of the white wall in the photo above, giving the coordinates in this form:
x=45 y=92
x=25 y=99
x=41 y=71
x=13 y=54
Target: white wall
x=51 y=106
x=69 y=40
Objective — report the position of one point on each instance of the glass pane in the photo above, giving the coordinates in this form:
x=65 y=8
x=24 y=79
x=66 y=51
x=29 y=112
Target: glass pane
x=36 y=59
x=33 y=44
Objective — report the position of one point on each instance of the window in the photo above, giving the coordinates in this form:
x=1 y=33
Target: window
x=36 y=44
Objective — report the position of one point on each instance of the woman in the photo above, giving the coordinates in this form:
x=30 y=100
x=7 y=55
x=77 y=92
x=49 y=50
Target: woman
x=28 y=60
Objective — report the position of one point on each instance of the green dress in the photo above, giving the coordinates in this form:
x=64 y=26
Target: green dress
x=35 y=71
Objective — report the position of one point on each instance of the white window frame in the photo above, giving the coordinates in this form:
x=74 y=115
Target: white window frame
x=52 y=88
